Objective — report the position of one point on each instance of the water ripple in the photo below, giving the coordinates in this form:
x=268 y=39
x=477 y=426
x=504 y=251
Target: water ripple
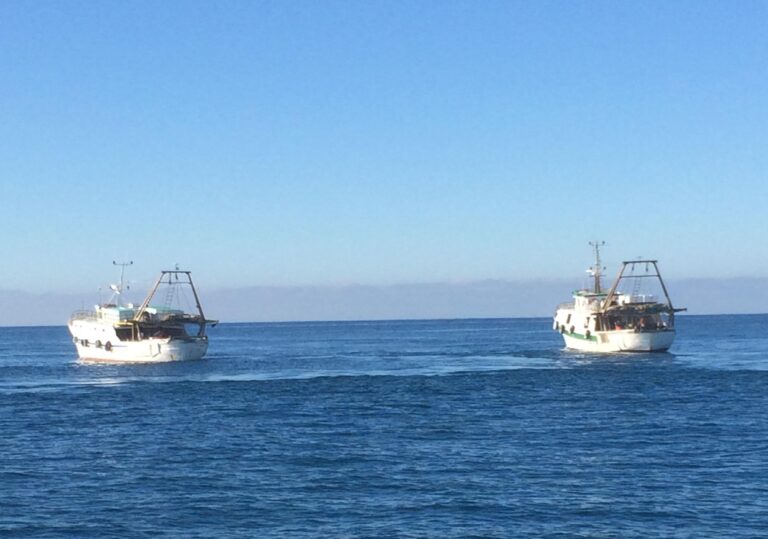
x=393 y=429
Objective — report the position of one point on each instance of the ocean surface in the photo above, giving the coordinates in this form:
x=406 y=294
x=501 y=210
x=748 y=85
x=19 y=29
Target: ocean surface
x=462 y=428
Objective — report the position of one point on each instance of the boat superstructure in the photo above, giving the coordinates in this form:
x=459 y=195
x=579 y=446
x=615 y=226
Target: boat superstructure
x=616 y=320
x=119 y=333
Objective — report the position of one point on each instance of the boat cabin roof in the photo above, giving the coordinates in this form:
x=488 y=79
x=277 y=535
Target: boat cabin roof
x=127 y=312
x=589 y=294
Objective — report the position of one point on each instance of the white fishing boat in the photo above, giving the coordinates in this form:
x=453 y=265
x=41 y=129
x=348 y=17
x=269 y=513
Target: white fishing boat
x=615 y=320
x=118 y=333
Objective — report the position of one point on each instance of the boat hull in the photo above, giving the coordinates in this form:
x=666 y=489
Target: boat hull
x=98 y=342
x=621 y=341
x=146 y=351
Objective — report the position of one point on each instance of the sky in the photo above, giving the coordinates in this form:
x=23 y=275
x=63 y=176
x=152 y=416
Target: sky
x=335 y=144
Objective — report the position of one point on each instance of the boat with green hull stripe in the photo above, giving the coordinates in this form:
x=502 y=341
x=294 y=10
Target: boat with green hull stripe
x=634 y=314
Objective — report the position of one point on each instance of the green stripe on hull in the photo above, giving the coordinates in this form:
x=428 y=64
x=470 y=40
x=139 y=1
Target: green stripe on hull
x=592 y=338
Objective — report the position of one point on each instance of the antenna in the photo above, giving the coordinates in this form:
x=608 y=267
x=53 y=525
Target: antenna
x=119 y=288
x=597 y=269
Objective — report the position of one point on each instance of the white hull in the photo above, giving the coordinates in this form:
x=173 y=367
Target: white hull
x=579 y=329
x=613 y=321
x=621 y=341
x=146 y=351
x=123 y=333
x=99 y=342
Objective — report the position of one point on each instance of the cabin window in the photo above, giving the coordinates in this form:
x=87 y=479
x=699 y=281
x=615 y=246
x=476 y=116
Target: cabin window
x=568 y=320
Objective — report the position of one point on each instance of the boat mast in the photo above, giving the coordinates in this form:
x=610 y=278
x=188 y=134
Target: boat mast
x=119 y=288
x=597 y=269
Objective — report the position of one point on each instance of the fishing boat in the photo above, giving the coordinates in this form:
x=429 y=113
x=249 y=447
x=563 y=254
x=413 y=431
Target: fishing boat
x=124 y=333
x=619 y=320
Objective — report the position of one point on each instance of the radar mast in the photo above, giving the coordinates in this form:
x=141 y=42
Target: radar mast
x=597 y=269
x=118 y=288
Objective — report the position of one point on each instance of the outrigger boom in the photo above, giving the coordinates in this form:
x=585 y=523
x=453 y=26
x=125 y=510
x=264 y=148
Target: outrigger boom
x=610 y=304
x=200 y=319
x=142 y=318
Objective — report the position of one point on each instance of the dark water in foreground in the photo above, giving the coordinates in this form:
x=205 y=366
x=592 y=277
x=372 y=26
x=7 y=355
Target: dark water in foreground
x=473 y=428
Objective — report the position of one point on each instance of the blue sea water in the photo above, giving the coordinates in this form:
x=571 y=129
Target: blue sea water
x=463 y=428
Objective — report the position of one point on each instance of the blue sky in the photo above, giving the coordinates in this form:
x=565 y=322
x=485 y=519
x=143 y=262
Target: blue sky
x=317 y=143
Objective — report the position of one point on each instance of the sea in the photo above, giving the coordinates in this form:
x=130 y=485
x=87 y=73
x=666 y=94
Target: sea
x=392 y=429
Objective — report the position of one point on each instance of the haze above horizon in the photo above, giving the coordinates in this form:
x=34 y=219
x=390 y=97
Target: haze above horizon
x=334 y=143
